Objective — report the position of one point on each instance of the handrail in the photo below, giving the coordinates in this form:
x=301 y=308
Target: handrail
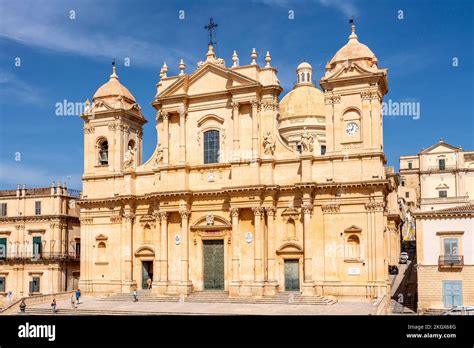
x=35 y=299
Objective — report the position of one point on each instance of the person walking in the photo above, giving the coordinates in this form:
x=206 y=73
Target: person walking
x=22 y=306
x=73 y=301
x=10 y=297
x=53 y=305
x=135 y=295
x=148 y=283
x=78 y=295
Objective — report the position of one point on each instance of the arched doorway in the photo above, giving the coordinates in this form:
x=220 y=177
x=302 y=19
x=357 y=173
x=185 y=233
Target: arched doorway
x=145 y=256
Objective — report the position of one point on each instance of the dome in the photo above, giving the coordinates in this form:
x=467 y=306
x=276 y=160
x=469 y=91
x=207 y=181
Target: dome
x=304 y=65
x=113 y=88
x=352 y=50
x=302 y=101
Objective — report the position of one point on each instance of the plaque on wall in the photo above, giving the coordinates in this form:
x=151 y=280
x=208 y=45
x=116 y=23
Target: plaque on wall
x=353 y=271
x=248 y=237
x=177 y=239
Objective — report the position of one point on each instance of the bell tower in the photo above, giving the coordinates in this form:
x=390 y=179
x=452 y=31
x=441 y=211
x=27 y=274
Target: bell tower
x=112 y=130
x=354 y=87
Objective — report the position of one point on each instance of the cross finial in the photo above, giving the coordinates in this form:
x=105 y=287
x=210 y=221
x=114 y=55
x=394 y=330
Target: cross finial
x=114 y=69
x=211 y=28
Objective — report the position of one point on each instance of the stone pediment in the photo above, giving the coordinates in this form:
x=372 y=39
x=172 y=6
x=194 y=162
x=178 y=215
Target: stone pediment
x=290 y=212
x=211 y=222
x=289 y=248
x=101 y=237
x=351 y=69
x=144 y=252
x=210 y=78
x=353 y=229
x=440 y=147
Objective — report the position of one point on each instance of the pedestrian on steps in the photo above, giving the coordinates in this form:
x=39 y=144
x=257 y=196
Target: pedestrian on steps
x=135 y=295
x=78 y=295
x=53 y=305
x=73 y=301
x=148 y=283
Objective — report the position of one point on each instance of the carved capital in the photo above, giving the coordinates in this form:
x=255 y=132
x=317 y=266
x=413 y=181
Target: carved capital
x=235 y=106
x=129 y=217
x=335 y=99
x=89 y=129
x=163 y=215
x=115 y=219
x=271 y=211
x=307 y=209
x=184 y=213
x=257 y=211
x=234 y=212
x=255 y=103
x=375 y=206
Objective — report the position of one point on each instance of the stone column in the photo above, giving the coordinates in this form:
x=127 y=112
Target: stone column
x=271 y=235
x=182 y=136
x=128 y=248
x=165 y=142
x=255 y=130
x=184 y=245
x=164 y=250
x=21 y=240
x=236 y=126
x=156 y=245
x=53 y=238
x=308 y=284
x=234 y=212
x=258 y=243
x=308 y=256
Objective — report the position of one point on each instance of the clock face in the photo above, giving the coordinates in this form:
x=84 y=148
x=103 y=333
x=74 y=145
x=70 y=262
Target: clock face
x=352 y=128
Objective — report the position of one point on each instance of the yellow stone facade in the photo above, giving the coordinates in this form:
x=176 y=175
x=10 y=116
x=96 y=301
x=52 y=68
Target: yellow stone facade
x=39 y=241
x=285 y=215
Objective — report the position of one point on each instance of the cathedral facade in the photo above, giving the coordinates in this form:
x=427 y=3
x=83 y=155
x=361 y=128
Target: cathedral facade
x=243 y=193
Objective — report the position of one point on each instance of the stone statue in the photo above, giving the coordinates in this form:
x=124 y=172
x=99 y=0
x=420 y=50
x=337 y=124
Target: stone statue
x=129 y=158
x=210 y=219
x=159 y=154
x=307 y=141
x=268 y=144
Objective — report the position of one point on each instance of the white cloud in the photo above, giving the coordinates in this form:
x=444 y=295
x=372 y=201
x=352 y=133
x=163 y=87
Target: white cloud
x=47 y=25
x=13 y=88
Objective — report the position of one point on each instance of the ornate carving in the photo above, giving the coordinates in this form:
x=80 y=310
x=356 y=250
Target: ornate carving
x=89 y=129
x=307 y=209
x=255 y=103
x=113 y=127
x=115 y=219
x=257 y=211
x=86 y=221
x=129 y=217
x=163 y=215
x=331 y=208
x=335 y=99
x=271 y=211
x=210 y=219
x=268 y=144
x=235 y=106
x=234 y=212
x=184 y=213
x=374 y=206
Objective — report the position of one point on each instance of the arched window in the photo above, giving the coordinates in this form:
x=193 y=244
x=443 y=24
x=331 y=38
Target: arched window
x=103 y=152
x=101 y=252
x=353 y=247
x=211 y=146
x=307 y=77
x=131 y=144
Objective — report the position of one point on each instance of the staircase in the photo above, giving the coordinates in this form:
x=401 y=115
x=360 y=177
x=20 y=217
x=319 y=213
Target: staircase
x=143 y=296
x=80 y=311
x=280 y=298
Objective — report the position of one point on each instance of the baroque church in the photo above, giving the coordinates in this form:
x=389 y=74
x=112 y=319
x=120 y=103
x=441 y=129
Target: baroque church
x=243 y=193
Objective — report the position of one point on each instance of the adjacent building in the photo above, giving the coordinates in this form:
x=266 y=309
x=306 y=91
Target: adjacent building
x=438 y=183
x=39 y=241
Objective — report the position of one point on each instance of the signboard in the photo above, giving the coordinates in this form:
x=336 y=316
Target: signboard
x=353 y=271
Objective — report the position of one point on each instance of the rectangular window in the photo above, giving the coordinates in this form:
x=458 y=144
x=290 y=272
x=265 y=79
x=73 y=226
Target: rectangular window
x=2 y=284
x=38 y=208
x=36 y=247
x=78 y=249
x=211 y=146
x=410 y=165
x=443 y=194
x=442 y=164
x=323 y=149
x=407 y=194
x=451 y=246
x=35 y=285
x=3 y=248
x=3 y=209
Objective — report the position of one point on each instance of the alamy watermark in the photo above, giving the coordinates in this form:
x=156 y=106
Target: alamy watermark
x=405 y=108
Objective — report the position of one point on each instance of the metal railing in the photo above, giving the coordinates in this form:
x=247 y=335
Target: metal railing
x=451 y=260
x=45 y=255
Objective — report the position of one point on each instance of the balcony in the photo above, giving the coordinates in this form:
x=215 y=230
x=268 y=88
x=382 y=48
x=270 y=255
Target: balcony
x=451 y=261
x=438 y=169
x=40 y=257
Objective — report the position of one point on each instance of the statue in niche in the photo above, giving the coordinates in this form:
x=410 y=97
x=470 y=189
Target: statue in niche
x=159 y=155
x=129 y=159
x=307 y=141
x=268 y=144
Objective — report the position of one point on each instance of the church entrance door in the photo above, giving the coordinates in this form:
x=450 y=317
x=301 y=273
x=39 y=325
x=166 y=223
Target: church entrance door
x=147 y=272
x=292 y=276
x=213 y=264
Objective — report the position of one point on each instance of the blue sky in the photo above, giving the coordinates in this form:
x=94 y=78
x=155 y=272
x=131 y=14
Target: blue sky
x=68 y=59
